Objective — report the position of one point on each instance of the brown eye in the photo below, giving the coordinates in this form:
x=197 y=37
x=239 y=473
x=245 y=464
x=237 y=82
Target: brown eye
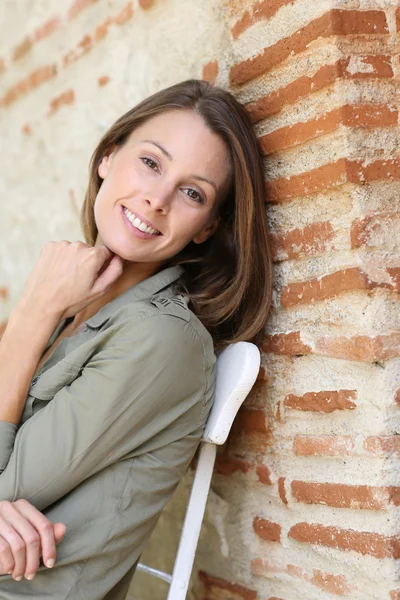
x=144 y=158
x=198 y=198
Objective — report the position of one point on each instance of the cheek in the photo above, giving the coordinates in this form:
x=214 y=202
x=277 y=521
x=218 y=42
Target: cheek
x=189 y=223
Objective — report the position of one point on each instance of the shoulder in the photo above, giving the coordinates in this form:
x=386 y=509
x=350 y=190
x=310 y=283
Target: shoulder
x=168 y=320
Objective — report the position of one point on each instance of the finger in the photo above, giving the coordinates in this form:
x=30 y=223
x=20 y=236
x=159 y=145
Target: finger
x=109 y=275
x=6 y=558
x=17 y=547
x=59 y=532
x=44 y=529
x=103 y=253
x=30 y=537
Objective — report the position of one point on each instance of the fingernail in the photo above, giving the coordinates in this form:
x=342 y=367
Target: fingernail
x=50 y=563
x=30 y=577
x=9 y=573
x=18 y=578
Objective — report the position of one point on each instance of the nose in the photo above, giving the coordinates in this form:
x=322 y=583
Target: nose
x=159 y=198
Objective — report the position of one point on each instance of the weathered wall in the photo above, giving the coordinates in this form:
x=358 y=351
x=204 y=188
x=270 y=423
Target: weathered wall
x=305 y=498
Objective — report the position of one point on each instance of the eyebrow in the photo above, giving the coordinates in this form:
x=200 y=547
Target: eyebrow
x=168 y=155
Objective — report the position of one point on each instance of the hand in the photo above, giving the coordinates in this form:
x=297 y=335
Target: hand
x=25 y=536
x=69 y=276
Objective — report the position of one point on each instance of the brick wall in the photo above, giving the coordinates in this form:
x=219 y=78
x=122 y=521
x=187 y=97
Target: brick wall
x=310 y=472
x=306 y=493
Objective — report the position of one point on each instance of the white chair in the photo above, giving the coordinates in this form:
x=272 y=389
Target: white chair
x=237 y=369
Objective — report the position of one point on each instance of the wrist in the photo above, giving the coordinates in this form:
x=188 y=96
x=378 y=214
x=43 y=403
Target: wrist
x=32 y=320
x=42 y=315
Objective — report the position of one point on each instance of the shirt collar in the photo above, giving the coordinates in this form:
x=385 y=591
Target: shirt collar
x=145 y=289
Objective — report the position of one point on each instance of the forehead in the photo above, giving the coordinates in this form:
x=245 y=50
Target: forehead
x=189 y=141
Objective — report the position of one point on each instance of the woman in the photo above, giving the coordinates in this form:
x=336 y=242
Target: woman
x=114 y=341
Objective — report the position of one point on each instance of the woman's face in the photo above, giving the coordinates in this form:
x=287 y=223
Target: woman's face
x=161 y=188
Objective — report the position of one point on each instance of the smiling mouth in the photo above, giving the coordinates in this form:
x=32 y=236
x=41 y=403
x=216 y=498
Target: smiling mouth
x=136 y=222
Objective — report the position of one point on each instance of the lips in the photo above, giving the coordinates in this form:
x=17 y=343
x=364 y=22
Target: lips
x=140 y=222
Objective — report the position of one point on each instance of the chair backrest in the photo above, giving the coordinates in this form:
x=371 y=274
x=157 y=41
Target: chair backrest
x=237 y=369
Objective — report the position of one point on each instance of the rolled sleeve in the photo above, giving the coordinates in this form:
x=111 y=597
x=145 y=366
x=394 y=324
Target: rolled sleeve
x=150 y=375
x=8 y=431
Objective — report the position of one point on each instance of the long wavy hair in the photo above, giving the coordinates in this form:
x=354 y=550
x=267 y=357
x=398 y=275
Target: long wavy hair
x=228 y=278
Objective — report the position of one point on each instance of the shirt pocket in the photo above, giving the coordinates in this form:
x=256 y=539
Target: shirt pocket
x=46 y=385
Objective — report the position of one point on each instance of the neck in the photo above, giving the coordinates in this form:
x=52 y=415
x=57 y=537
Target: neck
x=132 y=274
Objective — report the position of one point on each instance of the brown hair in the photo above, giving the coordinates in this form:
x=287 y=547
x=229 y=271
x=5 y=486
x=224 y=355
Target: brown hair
x=229 y=277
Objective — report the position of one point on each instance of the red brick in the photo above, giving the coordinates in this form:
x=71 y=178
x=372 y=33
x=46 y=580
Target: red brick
x=124 y=15
x=361 y=347
x=250 y=420
x=365 y=116
x=282 y=490
x=66 y=98
x=394 y=273
x=78 y=6
x=279 y=416
x=331 y=175
x=146 y=4
x=334 y=22
x=2 y=65
x=27 y=84
x=22 y=49
x=323 y=445
x=321 y=288
x=46 y=29
x=363 y=542
x=374 y=171
x=334 y=584
x=395 y=595
x=398 y=19
x=383 y=445
x=326 y=401
x=102 y=29
x=4 y=293
x=84 y=46
x=346 y=496
x=363 y=229
x=397 y=397
x=260 y=11
x=228 y=465
x=213 y=586
x=267 y=530
x=264 y=474
x=317 y=180
x=210 y=71
x=380 y=66
x=103 y=80
x=285 y=343
x=312 y=239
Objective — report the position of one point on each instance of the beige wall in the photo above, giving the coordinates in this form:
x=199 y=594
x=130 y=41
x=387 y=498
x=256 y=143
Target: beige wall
x=306 y=493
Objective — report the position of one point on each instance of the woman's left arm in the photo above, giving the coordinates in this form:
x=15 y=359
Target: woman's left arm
x=21 y=347
x=149 y=376
x=64 y=280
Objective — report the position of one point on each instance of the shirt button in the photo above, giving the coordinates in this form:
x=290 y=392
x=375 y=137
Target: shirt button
x=34 y=380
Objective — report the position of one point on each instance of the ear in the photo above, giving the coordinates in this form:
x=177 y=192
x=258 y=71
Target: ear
x=207 y=232
x=104 y=165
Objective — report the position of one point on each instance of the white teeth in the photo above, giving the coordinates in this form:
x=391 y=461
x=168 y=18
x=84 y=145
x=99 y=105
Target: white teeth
x=138 y=223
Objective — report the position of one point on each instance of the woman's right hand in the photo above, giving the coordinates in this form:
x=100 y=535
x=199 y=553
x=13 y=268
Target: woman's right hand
x=68 y=277
x=26 y=535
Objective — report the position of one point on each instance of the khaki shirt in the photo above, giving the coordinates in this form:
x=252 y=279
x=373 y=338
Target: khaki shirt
x=111 y=422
